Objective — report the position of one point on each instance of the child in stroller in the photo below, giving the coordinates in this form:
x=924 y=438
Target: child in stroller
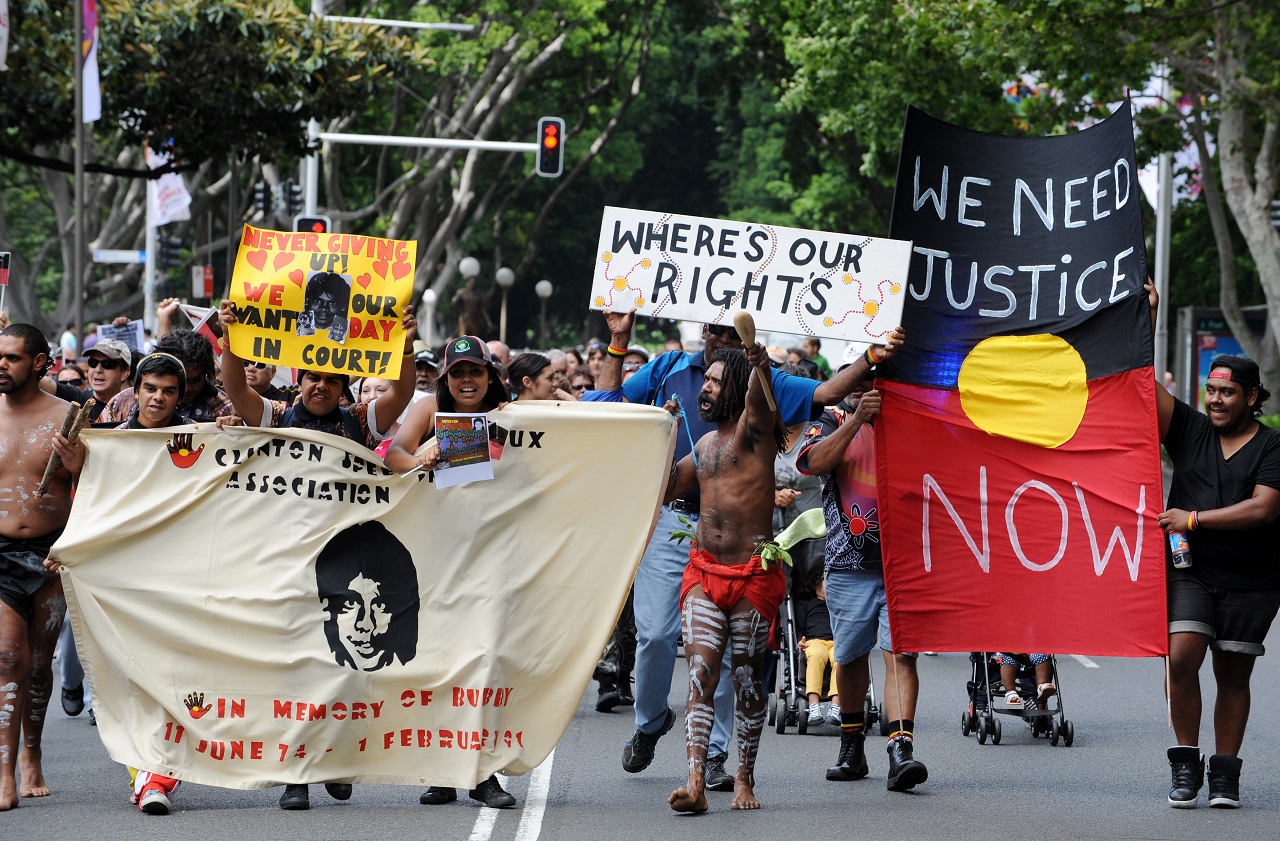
x=1009 y=675
x=818 y=643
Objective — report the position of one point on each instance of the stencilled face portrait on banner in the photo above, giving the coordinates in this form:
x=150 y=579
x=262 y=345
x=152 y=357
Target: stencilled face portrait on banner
x=325 y=309
x=368 y=588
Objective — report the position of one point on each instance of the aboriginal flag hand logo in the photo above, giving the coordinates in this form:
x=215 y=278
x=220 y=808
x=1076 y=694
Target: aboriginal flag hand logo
x=180 y=451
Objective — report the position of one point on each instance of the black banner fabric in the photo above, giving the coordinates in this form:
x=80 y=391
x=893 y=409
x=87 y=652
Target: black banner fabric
x=1020 y=236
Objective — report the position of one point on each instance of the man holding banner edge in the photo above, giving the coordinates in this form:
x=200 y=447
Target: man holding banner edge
x=1226 y=481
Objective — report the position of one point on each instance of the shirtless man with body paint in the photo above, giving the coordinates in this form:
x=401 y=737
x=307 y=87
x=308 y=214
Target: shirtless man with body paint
x=728 y=600
x=31 y=601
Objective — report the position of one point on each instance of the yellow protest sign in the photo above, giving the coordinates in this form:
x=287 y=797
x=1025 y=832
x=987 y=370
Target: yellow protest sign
x=324 y=302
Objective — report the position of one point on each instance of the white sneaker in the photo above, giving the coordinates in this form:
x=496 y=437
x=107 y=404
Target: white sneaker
x=815 y=714
x=833 y=715
x=154 y=802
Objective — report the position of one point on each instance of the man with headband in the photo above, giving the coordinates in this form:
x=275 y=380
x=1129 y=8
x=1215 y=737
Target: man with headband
x=1225 y=496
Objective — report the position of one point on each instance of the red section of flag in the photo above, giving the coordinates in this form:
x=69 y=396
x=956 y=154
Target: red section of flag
x=1054 y=566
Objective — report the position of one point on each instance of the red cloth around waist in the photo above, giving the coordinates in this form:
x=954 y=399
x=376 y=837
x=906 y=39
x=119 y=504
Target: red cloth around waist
x=726 y=585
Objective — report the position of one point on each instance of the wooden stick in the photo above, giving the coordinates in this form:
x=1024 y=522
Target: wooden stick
x=75 y=420
x=746 y=327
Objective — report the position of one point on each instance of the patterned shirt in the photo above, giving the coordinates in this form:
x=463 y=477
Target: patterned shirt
x=848 y=494
x=211 y=404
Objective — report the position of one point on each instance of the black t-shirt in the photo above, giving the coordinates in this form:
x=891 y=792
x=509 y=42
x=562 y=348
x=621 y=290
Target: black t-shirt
x=1204 y=480
x=74 y=395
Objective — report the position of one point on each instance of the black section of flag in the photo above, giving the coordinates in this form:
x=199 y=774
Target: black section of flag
x=1019 y=236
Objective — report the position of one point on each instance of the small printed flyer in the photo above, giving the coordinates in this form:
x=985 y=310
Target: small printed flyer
x=464 y=449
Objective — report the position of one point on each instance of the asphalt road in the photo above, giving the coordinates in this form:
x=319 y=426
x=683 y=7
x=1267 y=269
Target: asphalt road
x=1110 y=784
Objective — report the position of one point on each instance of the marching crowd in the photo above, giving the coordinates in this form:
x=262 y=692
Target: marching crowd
x=765 y=433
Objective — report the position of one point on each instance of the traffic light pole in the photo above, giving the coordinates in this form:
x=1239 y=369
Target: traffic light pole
x=426 y=142
x=149 y=268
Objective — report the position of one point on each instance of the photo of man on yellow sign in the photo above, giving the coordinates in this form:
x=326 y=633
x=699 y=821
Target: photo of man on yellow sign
x=324 y=302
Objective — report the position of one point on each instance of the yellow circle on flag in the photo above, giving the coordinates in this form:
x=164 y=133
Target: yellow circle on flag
x=1028 y=388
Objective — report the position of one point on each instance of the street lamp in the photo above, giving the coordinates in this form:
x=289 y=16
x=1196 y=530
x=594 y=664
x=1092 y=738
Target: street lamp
x=504 y=278
x=543 y=288
x=429 y=314
x=469 y=266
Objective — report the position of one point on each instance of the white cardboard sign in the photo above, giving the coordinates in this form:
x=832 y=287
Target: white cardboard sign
x=839 y=286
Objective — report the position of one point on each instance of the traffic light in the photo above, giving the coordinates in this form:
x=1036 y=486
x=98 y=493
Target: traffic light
x=312 y=224
x=292 y=198
x=550 y=147
x=170 y=252
x=262 y=198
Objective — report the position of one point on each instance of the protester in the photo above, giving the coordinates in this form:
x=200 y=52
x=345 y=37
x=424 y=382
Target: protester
x=501 y=353
x=1225 y=498
x=574 y=359
x=581 y=382
x=161 y=383
x=813 y=348
x=473 y=386
x=657 y=582
x=260 y=376
x=559 y=361
x=729 y=596
x=201 y=401
x=427 y=368
x=69 y=343
x=813 y=623
x=595 y=358
x=840 y=447
x=31 y=600
x=318 y=409
x=533 y=378
x=71 y=374
x=1008 y=663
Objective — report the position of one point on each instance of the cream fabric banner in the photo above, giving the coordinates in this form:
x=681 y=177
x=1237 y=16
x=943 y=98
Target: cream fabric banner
x=256 y=607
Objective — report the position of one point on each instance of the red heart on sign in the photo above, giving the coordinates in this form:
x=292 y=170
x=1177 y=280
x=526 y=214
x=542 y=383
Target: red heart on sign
x=364 y=280
x=257 y=259
x=400 y=269
x=380 y=266
x=296 y=275
x=282 y=259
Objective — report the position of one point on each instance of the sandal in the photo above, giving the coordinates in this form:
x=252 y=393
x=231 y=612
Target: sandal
x=1045 y=691
x=1011 y=698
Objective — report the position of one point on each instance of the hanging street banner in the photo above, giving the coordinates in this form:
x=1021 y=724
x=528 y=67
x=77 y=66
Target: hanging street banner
x=1018 y=459
x=257 y=606
x=813 y=283
x=324 y=302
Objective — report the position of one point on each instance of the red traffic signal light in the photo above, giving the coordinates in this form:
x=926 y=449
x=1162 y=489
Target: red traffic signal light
x=550 y=163
x=312 y=224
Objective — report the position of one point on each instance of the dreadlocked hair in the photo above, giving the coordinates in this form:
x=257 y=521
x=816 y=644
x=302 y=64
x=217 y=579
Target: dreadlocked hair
x=734 y=383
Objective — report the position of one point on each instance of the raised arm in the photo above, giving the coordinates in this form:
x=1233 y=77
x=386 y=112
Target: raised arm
x=823 y=457
x=1164 y=400
x=620 y=324
x=391 y=405
x=248 y=402
x=758 y=419
x=845 y=381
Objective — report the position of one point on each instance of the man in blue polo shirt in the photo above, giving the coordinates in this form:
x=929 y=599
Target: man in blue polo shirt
x=677 y=374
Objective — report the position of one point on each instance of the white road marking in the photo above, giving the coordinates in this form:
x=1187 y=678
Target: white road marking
x=1085 y=661
x=536 y=801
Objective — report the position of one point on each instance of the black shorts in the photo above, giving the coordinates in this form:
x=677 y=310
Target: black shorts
x=1236 y=621
x=22 y=572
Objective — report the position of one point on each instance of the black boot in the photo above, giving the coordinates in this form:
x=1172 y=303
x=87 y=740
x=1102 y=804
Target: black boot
x=905 y=771
x=491 y=794
x=608 y=698
x=1187 y=764
x=295 y=798
x=438 y=796
x=852 y=762
x=1224 y=781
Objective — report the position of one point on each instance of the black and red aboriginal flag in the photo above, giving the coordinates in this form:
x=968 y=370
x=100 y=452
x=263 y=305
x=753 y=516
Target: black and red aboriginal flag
x=1018 y=460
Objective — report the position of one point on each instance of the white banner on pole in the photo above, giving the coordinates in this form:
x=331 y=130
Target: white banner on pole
x=839 y=286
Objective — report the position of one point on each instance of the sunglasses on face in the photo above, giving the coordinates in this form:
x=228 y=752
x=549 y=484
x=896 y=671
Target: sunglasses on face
x=580 y=387
x=631 y=366
x=109 y=364
x=78 y=381
x=261 y=366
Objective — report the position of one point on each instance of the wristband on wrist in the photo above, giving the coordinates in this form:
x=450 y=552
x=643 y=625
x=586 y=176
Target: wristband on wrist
x=616 y=351
x=871 y=360
x=1193 y=521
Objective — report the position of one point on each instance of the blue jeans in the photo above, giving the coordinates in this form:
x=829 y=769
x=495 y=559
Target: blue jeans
x=859 y=613
x=657 y=604
x=69 y=669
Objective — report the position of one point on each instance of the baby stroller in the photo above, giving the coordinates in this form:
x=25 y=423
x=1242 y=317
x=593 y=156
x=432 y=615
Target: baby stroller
x=789 y=707
x=1046 y=718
